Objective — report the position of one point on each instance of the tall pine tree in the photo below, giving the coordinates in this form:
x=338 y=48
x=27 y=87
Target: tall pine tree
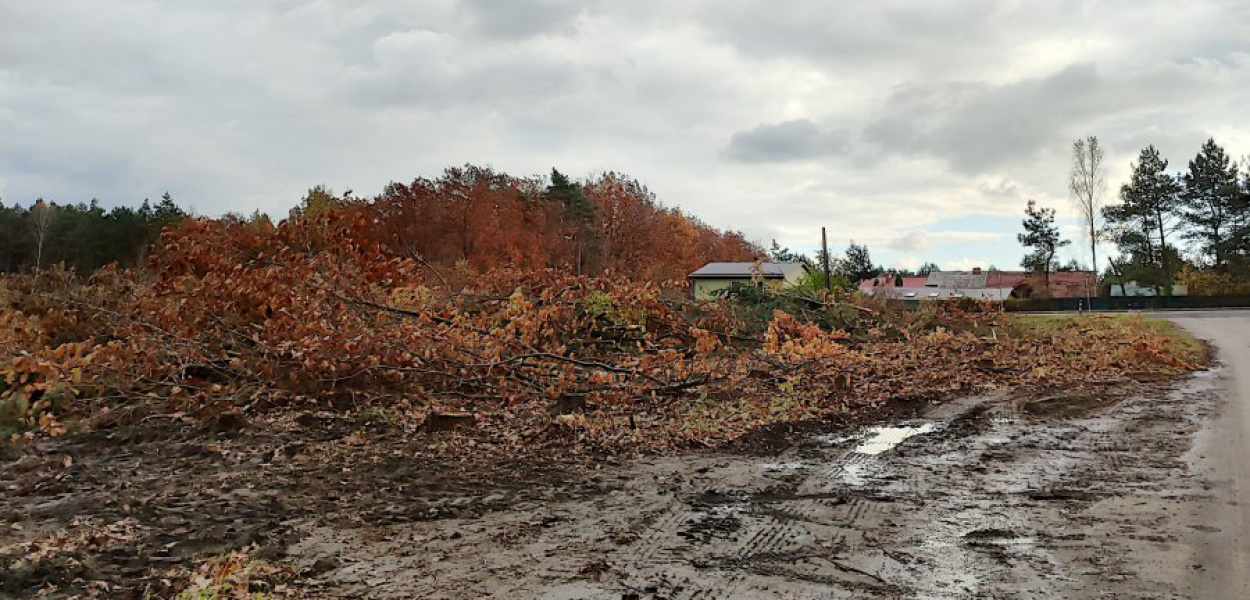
x=1040 y=234
x=1141 y=223
x=1211 y=196
x=1239 y=246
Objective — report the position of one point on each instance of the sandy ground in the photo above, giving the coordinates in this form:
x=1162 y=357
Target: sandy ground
x=1121 y=489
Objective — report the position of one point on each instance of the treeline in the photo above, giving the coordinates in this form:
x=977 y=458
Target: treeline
x=481 y=219
x=469 y=219
x=1207 y=206
x=81 y=236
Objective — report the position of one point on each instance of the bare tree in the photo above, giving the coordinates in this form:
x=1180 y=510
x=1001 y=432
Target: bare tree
x=41 y=217
x=1087 y=181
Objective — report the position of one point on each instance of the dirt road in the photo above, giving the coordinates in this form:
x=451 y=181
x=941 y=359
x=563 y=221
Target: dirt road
x=1122 y=490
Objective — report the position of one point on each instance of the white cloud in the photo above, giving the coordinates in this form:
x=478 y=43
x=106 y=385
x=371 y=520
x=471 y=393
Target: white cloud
x=919 y=241
x=968 y=264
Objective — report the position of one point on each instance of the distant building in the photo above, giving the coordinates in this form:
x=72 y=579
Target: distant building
x=978 y=284
x=717 y=276
x=1132 y=288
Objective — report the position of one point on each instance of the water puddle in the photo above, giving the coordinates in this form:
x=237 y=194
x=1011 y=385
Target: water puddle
x=783 y=467
x=885 y=438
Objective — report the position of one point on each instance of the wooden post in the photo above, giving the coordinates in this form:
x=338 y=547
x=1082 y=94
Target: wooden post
x=824 y=250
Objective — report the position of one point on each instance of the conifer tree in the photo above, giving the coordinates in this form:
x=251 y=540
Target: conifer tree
x=1040 y=234
x=1211 y=194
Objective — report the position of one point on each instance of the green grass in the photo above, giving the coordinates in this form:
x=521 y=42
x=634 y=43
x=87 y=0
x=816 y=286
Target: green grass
x=1183 y=344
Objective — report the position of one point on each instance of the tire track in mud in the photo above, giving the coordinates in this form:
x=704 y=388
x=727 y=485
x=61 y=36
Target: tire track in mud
x=797 y=532
x=993 y=501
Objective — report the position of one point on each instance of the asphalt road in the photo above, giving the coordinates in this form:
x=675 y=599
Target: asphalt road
x=1220 y=564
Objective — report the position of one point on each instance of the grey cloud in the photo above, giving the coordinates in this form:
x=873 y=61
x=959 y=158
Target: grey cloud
x=916 y=241
x=978 y=127
x=933 y=109
x=1003 y=189
x=800 y=139
x=875 y=32
x=920 y=241
x=515 y=19
x=927 y=39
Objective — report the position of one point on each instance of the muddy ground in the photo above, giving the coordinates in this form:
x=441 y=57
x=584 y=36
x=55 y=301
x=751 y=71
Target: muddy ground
x=1013 y=494
x=1049 y=495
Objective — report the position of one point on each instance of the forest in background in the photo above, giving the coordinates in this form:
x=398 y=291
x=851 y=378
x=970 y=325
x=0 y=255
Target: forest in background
x=469 y=219
x=1190 y=227
x=83 y=237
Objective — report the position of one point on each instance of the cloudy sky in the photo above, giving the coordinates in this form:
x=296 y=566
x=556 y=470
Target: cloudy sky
x=920 y=128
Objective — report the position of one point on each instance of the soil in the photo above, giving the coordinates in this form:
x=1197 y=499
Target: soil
x=1012 y=494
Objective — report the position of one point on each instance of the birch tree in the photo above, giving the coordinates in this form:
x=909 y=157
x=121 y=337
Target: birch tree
x=41 y=215
x=1087 y=181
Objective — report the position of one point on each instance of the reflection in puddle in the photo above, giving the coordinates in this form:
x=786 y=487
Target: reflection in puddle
x=884 y=438
x=786 y=466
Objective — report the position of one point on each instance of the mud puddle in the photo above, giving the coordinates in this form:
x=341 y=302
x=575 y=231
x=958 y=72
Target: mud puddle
x=882 y=439
x=980 y=497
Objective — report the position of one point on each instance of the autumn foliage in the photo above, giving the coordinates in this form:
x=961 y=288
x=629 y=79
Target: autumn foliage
x=486 y=220
x=403 y=305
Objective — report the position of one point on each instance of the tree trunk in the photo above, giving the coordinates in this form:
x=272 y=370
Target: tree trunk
x=1163 y=255
x=1119 y=274
x=1093 y=248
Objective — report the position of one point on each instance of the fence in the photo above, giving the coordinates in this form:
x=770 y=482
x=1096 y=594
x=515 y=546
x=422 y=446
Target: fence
x=1126 y=303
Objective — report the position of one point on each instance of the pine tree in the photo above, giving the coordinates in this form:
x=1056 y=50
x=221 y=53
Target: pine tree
x=577 y=213
x=1240 y=244
x=857 y=265
x=1211 y=194
x=1040 y=234
x=1140 y=224
x=577 y=208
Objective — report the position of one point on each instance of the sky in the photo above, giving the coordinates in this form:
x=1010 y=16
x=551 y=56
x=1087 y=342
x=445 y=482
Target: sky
x=919 y=128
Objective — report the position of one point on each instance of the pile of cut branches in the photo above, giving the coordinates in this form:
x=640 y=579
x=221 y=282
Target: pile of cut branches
x=229 y=319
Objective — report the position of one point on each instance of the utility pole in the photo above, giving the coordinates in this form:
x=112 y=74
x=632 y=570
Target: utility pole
x=824 y=252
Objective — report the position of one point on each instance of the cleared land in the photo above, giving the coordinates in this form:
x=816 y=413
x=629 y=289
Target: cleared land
x=1128 y=486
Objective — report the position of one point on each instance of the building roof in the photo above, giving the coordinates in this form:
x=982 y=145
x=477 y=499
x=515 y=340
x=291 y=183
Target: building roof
x=746 y=270
x=957 y=280
x=886 y=281
x=937 y=293
x=1063 y=284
